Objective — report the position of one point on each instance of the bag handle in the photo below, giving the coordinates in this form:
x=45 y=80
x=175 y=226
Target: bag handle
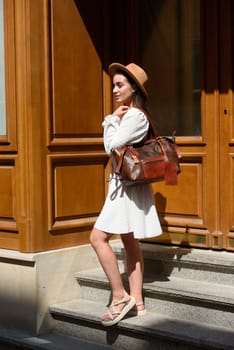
x=151 y=122
x=153 y=127
x=122 y=152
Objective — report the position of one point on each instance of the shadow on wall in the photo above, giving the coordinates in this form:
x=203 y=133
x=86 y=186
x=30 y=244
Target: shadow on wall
x=161 y=202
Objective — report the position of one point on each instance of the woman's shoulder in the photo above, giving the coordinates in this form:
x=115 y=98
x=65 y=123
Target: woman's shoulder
x=136 y=114
x=135 y=118
x=135 y=111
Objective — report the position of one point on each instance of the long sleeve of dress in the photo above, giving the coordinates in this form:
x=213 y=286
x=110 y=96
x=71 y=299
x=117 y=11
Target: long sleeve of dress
x=132 y=128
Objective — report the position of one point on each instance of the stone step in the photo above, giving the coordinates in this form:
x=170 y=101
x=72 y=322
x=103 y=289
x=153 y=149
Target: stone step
x=175 y=297
x=81 y=318
x=189 y=297
x=11 y=339
x=188 y=263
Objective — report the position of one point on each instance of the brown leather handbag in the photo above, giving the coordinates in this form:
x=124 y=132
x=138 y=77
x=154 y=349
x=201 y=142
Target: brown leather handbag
x=155 y=159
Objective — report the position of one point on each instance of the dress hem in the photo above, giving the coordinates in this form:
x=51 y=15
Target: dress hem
x=125 y=233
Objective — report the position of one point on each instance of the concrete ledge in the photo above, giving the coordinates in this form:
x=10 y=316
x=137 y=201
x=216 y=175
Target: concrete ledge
x=31 y=282
x=19 y=340
x=153 y=325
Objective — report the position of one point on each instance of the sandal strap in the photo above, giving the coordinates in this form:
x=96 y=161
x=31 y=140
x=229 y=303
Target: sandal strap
x=140 y=303
x=112 y=311
x=121 y=301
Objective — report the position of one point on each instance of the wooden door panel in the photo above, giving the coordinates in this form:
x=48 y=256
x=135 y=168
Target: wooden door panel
x=7 y=191
x=185 y=199
x=8 y=227
x=79 y=190
x=76 y=74
x=230 y=208
x=227 y=186
x=76 y=190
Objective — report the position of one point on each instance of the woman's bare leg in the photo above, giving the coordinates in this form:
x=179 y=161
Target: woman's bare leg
x=135 y=266
x=122 y=303
x=100 y=242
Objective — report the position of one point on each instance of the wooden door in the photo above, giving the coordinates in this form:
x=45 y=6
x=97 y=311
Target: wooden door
x=8 y=122
x=186 y=46
x=226 y=132
x=52 y=161
x=76 y=158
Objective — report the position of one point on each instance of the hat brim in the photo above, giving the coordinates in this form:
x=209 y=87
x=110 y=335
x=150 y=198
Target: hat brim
x=114 y=67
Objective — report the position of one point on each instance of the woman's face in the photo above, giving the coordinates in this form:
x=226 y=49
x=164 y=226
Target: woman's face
x=122 y=89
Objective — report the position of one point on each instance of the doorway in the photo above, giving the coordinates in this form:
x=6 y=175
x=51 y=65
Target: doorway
x=187 y=48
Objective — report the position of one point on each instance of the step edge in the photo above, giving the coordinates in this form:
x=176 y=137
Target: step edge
x=181 y=255
x=103 y=283
x=177 y=334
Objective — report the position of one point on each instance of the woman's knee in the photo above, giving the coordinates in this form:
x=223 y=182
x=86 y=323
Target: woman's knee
x=97 y=237
x=94 y=237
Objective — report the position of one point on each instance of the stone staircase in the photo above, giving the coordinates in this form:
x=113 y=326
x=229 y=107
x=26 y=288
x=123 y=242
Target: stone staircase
x=189 y=297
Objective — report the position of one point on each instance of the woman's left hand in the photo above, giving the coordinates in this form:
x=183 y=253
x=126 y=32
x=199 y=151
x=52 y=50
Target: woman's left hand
x=120 y=111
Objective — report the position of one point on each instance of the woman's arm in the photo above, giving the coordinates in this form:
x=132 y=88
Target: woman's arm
x=132 y=128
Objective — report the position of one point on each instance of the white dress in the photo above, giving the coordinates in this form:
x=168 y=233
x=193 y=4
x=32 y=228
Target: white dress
x=127 y=209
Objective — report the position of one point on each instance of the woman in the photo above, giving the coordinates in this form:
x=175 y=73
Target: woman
x=128 y=211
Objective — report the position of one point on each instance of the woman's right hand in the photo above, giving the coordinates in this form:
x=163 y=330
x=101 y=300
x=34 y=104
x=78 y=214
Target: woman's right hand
x=120 y=111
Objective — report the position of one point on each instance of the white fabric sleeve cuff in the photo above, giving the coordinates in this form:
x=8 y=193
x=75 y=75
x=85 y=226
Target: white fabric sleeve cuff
x=111 y=119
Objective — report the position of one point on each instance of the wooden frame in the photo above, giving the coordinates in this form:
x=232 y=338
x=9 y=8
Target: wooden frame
x=9 y=142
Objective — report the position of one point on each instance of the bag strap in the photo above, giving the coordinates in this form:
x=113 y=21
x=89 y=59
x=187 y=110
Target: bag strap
x=120 y=161
x=151 y=122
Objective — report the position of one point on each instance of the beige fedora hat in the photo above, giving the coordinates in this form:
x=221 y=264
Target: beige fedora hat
x=133 y=71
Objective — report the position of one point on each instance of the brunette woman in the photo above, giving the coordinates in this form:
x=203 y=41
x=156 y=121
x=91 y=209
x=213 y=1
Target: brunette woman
x=127 y=211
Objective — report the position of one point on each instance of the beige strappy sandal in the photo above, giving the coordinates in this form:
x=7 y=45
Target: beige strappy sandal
x=114 y=315
x=135 y=312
